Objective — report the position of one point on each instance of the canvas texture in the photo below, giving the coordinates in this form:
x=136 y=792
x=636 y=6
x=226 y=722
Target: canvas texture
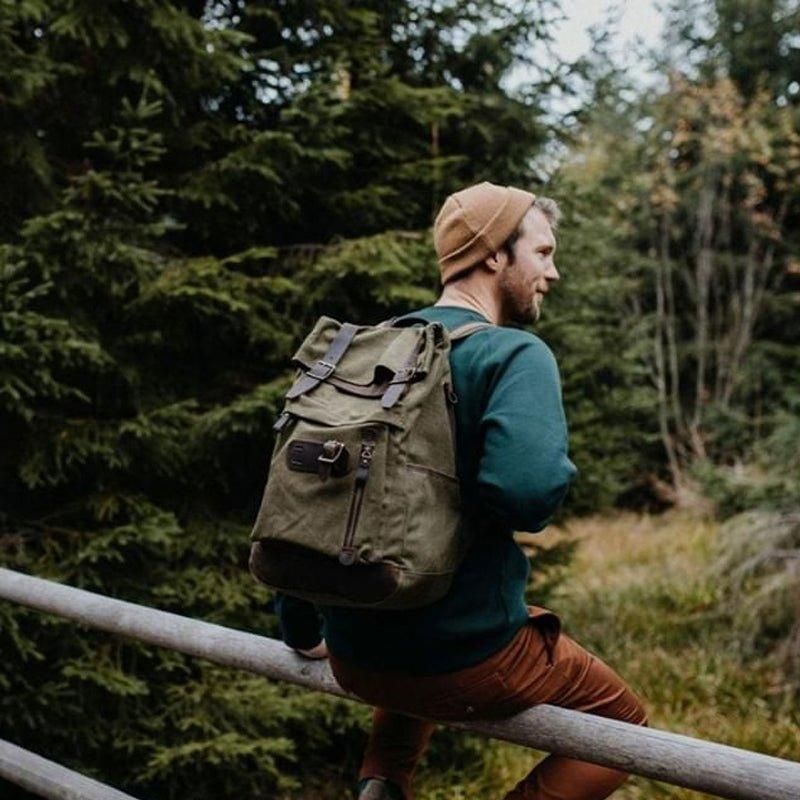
x=362 y=506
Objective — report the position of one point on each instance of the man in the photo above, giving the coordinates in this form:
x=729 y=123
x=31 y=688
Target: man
x=480 y=652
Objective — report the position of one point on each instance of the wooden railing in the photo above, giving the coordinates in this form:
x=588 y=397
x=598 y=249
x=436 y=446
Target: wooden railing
x=680 y=760
x=48 y=779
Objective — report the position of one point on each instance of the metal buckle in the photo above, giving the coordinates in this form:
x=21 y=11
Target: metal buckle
x=321 y=370
x=331 y=453
x=331 y=450
x=404 y=375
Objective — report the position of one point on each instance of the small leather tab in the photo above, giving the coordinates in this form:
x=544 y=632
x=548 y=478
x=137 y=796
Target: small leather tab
x=282 y=421
x=325 y=459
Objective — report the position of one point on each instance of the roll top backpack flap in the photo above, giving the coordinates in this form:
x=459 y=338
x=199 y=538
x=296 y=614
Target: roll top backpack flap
x=344 y=369
x=362 y=504
x=373 y=355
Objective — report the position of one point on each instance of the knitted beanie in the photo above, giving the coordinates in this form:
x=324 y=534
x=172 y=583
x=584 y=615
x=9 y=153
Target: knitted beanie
x=473 y=223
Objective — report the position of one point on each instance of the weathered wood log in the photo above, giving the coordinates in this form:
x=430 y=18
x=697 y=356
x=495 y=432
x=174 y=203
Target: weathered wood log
x=47 y=779
x=683 y=761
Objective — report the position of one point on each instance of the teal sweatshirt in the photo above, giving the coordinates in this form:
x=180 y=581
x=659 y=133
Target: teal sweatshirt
x=512 y=463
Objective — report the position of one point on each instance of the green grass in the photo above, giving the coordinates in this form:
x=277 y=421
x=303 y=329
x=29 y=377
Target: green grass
x=639 y=595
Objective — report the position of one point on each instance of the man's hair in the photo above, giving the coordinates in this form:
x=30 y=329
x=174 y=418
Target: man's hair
x=551 y=211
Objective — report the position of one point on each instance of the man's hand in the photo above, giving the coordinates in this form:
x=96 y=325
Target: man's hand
x=320 y=651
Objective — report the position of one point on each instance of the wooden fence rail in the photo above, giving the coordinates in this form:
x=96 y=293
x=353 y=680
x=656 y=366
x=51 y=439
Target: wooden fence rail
x=47 y=779
x=717 y=769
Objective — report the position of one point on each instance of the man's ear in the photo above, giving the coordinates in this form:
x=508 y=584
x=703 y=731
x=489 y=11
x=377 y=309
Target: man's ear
x=497 y=261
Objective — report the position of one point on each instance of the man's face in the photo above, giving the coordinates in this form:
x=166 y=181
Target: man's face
x=525 y=281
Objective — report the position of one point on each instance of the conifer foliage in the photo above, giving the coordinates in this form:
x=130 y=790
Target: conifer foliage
x=701 y=208
x=186 y=186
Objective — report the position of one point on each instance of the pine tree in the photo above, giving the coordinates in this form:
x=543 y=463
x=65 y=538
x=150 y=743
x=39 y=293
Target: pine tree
x=137 y=384
x=188 y=186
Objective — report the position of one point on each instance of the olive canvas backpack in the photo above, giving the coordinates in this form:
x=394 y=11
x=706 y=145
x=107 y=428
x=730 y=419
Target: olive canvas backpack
x=362 y=506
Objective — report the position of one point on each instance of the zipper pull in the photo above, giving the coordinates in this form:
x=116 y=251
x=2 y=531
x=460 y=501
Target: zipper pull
x=364 y=461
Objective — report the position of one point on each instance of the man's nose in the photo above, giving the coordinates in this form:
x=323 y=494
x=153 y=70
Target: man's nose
x=552 y=273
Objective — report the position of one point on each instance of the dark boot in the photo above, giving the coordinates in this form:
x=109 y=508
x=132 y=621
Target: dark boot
x=378 y=789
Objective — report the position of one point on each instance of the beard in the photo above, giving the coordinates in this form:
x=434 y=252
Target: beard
x=519 y=304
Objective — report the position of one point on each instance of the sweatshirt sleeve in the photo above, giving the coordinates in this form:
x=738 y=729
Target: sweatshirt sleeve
x=299 y=620
x=524 y=469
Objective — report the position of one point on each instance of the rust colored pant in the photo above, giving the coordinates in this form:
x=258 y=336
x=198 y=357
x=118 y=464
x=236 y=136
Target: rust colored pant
x=540 y=665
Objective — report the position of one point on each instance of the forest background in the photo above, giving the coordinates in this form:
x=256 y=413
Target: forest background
x=187 y=186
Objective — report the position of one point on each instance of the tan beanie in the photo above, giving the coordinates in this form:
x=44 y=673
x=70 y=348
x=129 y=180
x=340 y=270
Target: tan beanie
x=473 y=223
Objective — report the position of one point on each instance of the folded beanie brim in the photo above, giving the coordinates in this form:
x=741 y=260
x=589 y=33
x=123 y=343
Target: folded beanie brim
x=471 y=228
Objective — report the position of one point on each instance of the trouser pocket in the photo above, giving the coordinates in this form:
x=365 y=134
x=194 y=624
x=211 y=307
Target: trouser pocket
x=549 y=626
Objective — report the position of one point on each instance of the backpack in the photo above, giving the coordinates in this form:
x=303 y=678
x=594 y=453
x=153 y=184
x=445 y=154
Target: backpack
x=362 y=503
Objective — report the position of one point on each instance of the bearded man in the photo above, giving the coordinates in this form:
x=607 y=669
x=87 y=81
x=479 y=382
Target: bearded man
x=480 y=652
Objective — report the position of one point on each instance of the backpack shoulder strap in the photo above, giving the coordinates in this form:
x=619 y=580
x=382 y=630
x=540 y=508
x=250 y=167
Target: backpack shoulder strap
x=403 y=321
x=462 y=331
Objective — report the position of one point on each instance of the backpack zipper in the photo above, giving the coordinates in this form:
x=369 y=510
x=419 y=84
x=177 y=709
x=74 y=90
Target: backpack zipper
x=450 y=399
x=347 y=555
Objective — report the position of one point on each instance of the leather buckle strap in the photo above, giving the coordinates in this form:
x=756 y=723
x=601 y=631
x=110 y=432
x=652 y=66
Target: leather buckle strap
x=332 y=452
x=326 y=366
x=402 y=377
x=321 y=370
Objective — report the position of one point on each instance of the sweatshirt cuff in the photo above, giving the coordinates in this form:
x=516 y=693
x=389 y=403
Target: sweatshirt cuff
x=299 y=621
